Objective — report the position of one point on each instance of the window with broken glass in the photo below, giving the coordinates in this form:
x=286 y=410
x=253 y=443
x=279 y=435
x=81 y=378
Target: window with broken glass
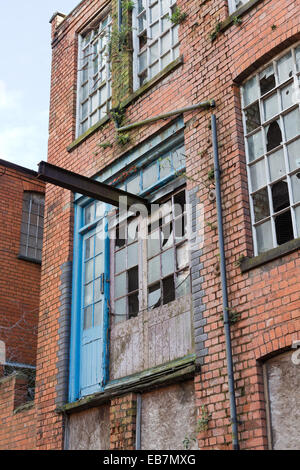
x=150 y=255
x=155 y=38
x=94 y=75
x=271 y=120
x=32 y=226
x=235 y=4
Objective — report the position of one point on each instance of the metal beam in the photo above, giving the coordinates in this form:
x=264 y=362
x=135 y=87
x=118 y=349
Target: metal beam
x=86 y=186
x=204 y=105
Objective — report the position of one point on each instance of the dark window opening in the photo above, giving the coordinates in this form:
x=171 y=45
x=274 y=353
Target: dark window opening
x=280 y=196
x=261 y=204
x=154 y=296
x=284 y=228
x=168 y=290
x=267 y=82
x=133 y=305
x=133 y=279
x=274 y=136
x=252 y=117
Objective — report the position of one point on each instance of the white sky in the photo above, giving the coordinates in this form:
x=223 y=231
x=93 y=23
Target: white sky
x=25 y=60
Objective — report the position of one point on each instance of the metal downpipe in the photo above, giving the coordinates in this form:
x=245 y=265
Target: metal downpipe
x=217 y=171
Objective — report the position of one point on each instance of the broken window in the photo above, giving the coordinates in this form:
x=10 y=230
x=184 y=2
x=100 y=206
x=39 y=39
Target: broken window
x=168 y=259
x=272 y=130
x=94 y=92
x=126 y=278
x=155 y=38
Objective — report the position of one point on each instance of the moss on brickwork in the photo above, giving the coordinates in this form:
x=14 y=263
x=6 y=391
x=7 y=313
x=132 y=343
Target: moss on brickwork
x=120 y=49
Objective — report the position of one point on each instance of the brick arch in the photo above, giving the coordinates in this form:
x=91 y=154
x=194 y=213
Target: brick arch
x=261 y=56
x=276 y=344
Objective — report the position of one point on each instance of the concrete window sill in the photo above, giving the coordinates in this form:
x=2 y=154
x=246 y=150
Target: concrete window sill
x=230 y=20
x=251 y=263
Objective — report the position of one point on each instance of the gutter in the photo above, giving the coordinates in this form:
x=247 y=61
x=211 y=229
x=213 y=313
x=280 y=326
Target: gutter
x=233 y=412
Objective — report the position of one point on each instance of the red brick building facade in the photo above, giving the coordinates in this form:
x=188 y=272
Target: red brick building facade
x=19 y=306
x=164 y=379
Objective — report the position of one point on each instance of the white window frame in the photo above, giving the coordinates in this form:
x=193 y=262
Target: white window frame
x=90 y=88
x=165 y=27
x=265 y=157
x=233 y=5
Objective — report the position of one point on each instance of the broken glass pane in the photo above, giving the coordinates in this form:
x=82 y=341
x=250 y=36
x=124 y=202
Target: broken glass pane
x=295 y=179
x=120 y=257
x=120 y=236
x=88 y=294
x=153 y=243
x=258 y=175
x=261 y=205
x=182 y=285
x=150 y=175
x=267 y=80
x=98 y=311
x=167 y=236
x=292 y=124
x=179 y=203
x=133 y=227
x=250 y=91
x=89 y=271
x=142 y=22
x=120 y=285
x=270 y=106
x=287 y=96
x=284 y=227
x=280 y=196
x=274 y=135
x=142 y=40
x=132 y=255
x=252 y=116
x=167 y=262
x=154 y=269
x=276 y=165
x=255 y=146
x=182 y=257
x=285 y=67
x=264 y=237
x=294 y=154
x=168 y=290
x=133 y=305
x=154 y=296
x=88 y=318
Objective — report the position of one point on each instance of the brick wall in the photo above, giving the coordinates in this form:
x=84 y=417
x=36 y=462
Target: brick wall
x=17 y=429
x=123 y=422
x=19 y=279
x=265 y=297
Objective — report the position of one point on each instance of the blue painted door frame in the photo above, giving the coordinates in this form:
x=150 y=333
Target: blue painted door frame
x=89 y=345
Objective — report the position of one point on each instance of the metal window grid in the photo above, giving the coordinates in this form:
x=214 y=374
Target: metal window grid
x=290 y=84
x=152 y=29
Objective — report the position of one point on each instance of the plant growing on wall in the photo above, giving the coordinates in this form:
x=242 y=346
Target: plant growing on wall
x=177 y=16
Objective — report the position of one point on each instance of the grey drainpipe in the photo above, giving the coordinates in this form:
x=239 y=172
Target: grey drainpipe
x=138 y=421
x=233 y=412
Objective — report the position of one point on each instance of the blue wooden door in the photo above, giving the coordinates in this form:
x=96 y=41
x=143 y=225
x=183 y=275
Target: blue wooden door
x=92 y=311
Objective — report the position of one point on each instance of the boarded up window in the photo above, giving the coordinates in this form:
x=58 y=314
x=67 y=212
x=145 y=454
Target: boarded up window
x=169 y=418
x=89 y=430
x=282 y=380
